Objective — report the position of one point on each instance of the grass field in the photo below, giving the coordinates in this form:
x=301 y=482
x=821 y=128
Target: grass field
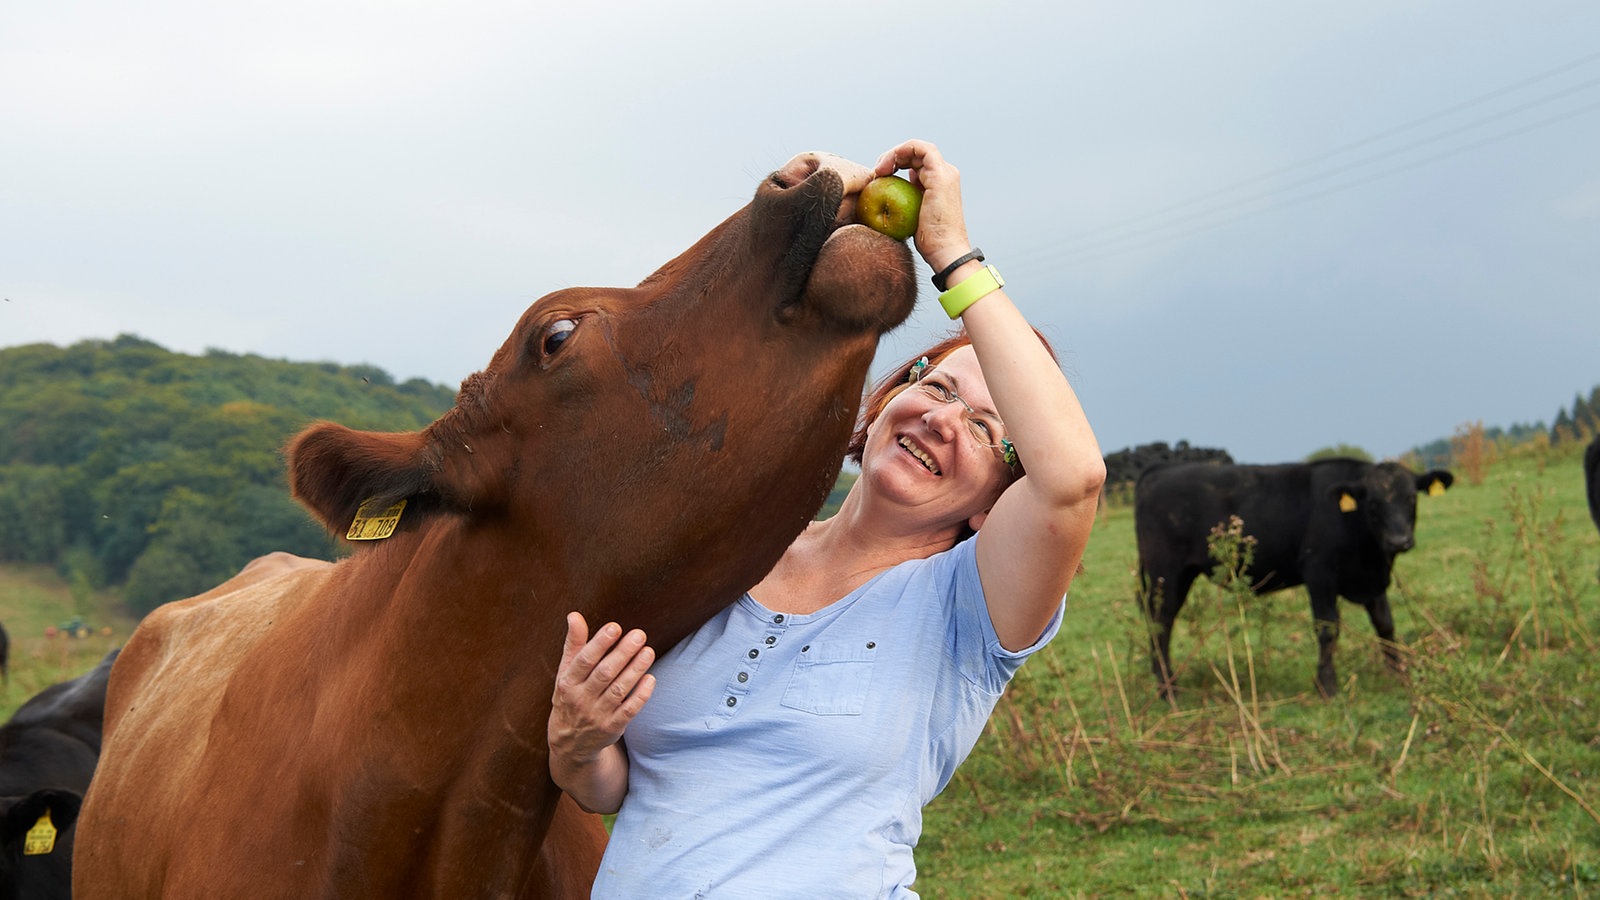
x=34 y=598
x=1475 y=774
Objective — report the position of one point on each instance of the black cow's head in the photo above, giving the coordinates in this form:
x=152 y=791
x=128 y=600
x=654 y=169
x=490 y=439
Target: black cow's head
x=1385 y=497
x=36 y=844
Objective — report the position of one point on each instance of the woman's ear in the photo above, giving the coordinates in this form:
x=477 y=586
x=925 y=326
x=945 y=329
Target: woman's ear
x=976 y=522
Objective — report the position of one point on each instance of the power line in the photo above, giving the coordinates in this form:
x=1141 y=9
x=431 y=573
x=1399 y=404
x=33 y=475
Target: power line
x=1092 y=253
x=1218 y=209
x=1102 y=237
x=1353 y=145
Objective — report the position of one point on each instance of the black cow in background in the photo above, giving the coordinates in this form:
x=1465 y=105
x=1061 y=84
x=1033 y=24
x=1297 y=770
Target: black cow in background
x=1591 y=478
x=48 y=752
x=1334 y=526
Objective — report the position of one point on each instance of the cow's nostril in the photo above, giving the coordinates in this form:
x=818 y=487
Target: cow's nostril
x=797 y=170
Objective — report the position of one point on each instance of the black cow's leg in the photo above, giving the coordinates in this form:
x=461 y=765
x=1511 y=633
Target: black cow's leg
x=1383 y=624
x=1164 y=596
x=1325 y=617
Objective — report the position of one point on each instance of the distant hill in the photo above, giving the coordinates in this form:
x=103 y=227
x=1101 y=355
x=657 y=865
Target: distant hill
x=122 y=462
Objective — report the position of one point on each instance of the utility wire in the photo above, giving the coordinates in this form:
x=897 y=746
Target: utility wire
x=1104 y=237
x=1267 y=194
x=1094 y=252
x=1345 y=148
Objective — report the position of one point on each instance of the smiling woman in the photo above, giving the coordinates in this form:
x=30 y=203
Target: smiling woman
x=795 y=737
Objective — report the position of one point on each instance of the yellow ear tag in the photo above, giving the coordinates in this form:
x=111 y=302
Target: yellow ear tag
x=374 y=524
x=1347 y=503
x=41 y=838
x=1436 y=487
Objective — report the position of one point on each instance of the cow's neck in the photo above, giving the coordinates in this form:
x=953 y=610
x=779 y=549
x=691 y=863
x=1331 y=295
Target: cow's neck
x=474 y=670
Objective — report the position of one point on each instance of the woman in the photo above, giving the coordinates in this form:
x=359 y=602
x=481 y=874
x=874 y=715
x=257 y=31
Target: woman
x=787 y=747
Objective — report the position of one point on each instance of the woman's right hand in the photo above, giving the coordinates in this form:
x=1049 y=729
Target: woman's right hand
x=941 y=226
x=601 y=684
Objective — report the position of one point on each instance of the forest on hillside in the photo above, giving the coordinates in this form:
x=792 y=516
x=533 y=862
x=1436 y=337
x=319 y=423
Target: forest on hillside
x=123 y=463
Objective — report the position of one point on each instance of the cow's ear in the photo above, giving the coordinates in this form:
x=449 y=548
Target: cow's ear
x=1435 y=482
x=334 y=469
x=1348 y=495
x=28 y=812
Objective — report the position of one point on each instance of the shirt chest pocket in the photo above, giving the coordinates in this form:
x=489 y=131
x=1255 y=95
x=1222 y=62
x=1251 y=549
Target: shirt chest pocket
x=832 y=678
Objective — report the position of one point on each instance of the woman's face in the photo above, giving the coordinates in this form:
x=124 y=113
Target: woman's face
x=936 y=445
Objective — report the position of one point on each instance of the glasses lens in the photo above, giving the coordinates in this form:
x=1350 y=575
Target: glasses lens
x=987 y=431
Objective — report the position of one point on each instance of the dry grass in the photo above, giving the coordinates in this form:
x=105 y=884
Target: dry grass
x=1472 y=774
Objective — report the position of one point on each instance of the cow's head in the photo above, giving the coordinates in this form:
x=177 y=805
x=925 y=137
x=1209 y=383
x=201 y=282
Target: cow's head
x=1385 y=500
x=36 y=841
x=632 y=436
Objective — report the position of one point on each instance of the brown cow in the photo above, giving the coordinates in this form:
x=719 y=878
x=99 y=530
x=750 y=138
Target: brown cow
x=376 y=728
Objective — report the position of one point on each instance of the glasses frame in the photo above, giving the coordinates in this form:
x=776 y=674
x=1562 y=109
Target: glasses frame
x=1005 y=450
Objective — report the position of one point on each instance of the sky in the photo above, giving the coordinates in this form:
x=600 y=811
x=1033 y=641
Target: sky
x=1263 y=226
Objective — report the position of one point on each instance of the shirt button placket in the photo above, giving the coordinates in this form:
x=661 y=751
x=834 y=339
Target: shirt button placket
x=741 y=679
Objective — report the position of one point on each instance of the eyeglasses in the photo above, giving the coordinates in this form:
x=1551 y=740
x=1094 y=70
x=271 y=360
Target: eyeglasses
x=986 y=429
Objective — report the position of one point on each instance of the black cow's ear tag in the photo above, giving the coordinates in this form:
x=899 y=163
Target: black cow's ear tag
x=374 y=523
x=1435 y=487
x=41 y=838
x=1347 y=503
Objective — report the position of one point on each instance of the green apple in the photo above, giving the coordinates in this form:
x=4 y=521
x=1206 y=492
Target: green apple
x=889 y=205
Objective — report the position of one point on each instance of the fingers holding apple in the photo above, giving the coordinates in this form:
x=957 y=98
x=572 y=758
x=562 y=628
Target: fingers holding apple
x=941 y=228
x=890 y=205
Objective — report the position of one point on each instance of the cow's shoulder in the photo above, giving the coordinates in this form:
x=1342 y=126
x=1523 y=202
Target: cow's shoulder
x=185 y=644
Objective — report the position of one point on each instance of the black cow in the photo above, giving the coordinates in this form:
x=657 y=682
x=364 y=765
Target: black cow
x=36 y=833
x=48 y=752
x=1591 y=478
x=1334 y=526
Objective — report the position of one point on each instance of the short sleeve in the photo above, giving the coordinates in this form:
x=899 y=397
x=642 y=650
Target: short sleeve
x=980 y=657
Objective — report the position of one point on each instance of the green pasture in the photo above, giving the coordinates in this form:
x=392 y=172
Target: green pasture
x=1475 y=774
x=32 y=599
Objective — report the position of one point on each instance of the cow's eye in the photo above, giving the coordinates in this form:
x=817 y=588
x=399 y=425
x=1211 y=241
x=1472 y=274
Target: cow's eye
x=556 y=334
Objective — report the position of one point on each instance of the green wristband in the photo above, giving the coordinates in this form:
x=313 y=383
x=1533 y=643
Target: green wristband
x=956 y=300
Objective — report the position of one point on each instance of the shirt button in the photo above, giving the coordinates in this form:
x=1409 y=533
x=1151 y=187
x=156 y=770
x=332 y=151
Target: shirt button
x=732 y=701
x=777 y=619
x=771 y=640
x=743 y=677
x=871 y=644
x=754 y=653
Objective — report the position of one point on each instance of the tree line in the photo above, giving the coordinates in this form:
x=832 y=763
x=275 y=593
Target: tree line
x=123 y=463
x=1579 y=423
x=1583 y=420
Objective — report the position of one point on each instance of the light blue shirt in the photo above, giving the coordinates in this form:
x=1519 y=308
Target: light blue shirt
x=791 y=756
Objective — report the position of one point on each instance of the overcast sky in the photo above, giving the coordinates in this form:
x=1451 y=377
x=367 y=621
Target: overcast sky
x=1267 y=226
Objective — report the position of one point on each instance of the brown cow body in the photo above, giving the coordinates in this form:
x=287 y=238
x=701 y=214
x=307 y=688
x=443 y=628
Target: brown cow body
x=375 y=728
